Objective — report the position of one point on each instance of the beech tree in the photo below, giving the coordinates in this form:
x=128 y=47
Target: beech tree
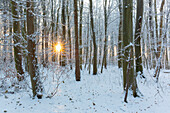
x=80 y=34
x=94 y=39
x=77 y=68
x=139 y=17
x=129 y=78
x=104 y=61
x=120 y=35
x=32 y=59
x=63 y=40
x=160 y=49
x=69 y=32
x=17 y=39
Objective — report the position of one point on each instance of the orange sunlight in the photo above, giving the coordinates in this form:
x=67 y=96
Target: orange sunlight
x=58 y=47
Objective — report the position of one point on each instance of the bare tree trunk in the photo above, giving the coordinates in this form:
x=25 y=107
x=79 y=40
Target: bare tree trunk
x=5 y=32
x=139 y=17
x=32 y=59
x=129 y=78
x=112 y=54
x=44 y=37
x=46 y=32
x=160 y=31
x=159 y=50
x=100 y=40
x=77 y=69
x=58 y=9
x=63 y=21
x=23 y=32
x=156 y=20
x=158 y=67
x=43 y=33
x=69 y=34
x=104 y=61
x=90 y=59
x=52 y=34
x=87 y=41
x=166 y=59
x=151 y=30
x=10 y=25
x=16 y=39
x=143 y=53
x=80 y=34
x=10 y=47
x=120 y=36
x=94 y=40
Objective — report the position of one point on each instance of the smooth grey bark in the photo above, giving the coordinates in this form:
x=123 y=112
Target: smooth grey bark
x=87 y=42
x=129 y=78
x=77 y=69
x=63 y=40
x=57 y=24
x=43 y=34
x=16 y=39
x=80 y=34
x=94 y=40
x=159 y=48
x=69 y=34
x=32 y=59
x=104 y=61
x=139 y=17
x=156 y=20
x=52 y=32
x=120 y=35
x=5 y=31
x=23 y=32
x=151 y=32
x=46 y=33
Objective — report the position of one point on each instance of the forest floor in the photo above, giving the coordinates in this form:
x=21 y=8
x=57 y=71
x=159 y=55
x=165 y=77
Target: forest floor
x=102 y=93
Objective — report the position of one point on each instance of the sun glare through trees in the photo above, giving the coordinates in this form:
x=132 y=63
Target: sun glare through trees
x=58 y=47
x=88 y=56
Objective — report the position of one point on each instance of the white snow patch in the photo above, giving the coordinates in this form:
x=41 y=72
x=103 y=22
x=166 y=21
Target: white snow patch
x=102 y=93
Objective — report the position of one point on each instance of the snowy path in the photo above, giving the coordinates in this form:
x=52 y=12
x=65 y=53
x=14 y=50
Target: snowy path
x=101 y=94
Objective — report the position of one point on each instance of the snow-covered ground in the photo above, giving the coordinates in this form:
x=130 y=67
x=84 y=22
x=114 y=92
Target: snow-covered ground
x=101 y=93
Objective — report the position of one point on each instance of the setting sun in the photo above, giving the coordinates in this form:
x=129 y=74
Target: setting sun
x=58 y=47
